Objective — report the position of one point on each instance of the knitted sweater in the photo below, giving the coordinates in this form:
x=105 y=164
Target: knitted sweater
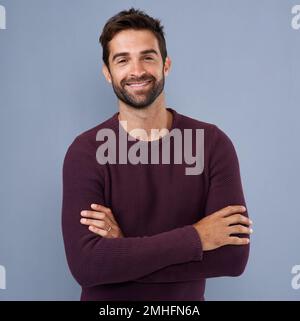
x=160 y=256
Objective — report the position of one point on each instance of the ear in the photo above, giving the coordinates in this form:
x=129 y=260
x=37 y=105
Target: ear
x=167 y=66
x=106 y=73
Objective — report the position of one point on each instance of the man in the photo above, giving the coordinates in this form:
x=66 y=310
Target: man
x=149 y=231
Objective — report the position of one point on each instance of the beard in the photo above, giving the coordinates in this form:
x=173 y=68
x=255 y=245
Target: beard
x=142 y=97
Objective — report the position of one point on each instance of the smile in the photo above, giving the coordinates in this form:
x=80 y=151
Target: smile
x=139 y=84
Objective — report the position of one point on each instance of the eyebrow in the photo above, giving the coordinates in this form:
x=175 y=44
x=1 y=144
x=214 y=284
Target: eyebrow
x=144 y=52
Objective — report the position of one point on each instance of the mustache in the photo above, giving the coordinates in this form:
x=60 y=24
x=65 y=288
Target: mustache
x=134 y=80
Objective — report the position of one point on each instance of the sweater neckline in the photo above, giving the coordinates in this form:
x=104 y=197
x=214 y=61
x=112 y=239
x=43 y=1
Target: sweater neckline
x=117 y=126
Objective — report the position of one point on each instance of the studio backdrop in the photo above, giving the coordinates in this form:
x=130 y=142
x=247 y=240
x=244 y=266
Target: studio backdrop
x=234 y=64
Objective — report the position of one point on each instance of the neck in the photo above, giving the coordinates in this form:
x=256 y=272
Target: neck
x=154 y=116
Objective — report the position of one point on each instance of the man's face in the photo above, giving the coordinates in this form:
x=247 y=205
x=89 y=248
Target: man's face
x=136 y=68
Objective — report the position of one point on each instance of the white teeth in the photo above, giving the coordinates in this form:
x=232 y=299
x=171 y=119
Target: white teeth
x=138 y=84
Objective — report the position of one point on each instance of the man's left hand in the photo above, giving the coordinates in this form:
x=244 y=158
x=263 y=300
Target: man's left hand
x=99 y=220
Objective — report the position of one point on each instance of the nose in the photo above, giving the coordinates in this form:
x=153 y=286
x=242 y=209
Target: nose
x=137 y=69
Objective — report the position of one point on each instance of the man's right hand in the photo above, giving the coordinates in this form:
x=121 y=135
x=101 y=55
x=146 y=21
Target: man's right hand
x=216 y=230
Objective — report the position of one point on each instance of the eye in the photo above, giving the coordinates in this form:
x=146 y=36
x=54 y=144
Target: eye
x=148 y=58
x=121 y=61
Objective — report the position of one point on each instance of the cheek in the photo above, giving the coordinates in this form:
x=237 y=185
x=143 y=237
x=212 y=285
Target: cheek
x=153 y=71
x=117 y=80
x=159 y=75
x=117 y=76
x=156 y=71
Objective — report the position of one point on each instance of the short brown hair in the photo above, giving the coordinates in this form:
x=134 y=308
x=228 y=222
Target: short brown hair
x=131 y=19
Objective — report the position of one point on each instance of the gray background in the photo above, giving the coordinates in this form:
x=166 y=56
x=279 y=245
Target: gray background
x=235 y=64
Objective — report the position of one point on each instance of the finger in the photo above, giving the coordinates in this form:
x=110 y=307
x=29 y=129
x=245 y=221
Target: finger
x=106 y=210
x=239 y=229
x=238 y=219
x=100 y=208
x=234 y=240
x=97 y=223
x=98 y=216
x=98 y=231
x=93 y=214
x=90 y=215
x=231 y=209
x=111 y=216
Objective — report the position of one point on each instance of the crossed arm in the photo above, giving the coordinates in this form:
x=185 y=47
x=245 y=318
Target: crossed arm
x=177 y=255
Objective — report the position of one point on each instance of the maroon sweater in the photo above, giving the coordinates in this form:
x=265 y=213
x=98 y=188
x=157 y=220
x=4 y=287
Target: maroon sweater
x=160 y=256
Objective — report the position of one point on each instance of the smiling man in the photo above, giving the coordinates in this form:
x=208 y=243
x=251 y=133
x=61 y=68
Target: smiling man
x=148 y=231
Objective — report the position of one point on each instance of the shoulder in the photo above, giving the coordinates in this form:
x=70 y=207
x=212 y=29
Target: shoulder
x=189 y=122
x=86 y=141
x=84 y=145
x=213 y=133
x=218 y=146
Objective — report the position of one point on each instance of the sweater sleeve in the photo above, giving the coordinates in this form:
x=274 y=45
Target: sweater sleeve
x=225 y=189
x=95 y=260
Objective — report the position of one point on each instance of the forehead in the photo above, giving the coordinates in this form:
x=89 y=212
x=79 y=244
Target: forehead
x=133 y=41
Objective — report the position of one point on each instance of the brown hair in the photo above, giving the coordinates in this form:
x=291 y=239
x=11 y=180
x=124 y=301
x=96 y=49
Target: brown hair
x=131 y=19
